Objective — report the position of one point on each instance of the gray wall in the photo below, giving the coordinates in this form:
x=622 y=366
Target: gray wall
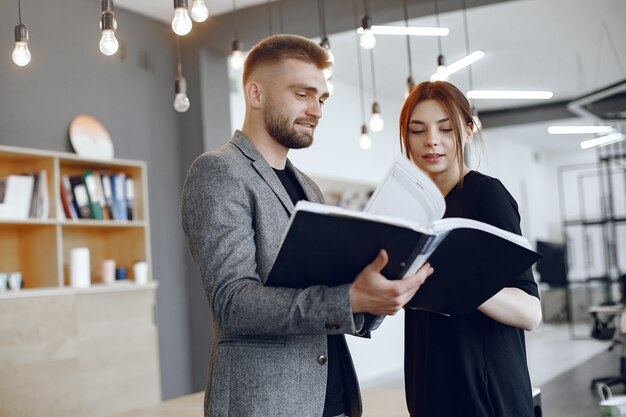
x=133 y=99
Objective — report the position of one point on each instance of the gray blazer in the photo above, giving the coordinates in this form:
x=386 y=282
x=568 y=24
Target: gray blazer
x=269 y=344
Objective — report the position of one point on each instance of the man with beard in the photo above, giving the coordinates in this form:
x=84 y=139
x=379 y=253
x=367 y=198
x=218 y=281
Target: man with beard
x=276 y=351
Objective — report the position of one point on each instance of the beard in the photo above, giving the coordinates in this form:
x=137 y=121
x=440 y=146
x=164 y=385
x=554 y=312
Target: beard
x=279 y=127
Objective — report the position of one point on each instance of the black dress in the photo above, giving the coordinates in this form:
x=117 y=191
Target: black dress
x=472 y=365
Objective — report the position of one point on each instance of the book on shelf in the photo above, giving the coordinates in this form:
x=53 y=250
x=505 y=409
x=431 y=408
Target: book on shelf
x=130 y=197
x=326 y=245
x=40 y=199
x=81 y=197
x=118 y=189
x=91 y=184
x=108 y=194
x=18 y=191
x=67 y=198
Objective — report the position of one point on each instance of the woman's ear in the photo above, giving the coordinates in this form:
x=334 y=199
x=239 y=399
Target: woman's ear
x=253 y=94
x=469 y=134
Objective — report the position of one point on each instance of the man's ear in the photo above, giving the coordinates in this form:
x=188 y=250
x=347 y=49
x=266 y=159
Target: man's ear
x=253 y=94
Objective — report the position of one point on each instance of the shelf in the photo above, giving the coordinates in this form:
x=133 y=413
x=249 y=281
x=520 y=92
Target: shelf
x=40 y=249
x=122 y=286
x=102 y=223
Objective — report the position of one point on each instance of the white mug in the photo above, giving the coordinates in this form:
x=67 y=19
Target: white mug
x=15 y=280
x=140 y=272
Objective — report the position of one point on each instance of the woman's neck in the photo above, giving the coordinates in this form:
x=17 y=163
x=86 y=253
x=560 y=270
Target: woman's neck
x=446 y=181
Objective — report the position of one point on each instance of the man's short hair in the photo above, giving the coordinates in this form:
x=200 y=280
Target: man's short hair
x=275 y=48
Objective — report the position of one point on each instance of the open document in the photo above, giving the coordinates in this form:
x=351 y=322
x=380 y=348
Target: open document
x=326 y=245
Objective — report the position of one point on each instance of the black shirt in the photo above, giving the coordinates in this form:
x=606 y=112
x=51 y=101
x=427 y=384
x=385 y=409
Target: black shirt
x=472 y=365
x=334 y=403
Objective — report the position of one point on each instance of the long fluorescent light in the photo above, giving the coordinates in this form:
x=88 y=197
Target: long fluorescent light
x=602 y=140
x=457 y=65
x=509 y=94
x=569 y=130
x=403 y=30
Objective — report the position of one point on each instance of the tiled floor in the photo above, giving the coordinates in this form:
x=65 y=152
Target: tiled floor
x=560 y=366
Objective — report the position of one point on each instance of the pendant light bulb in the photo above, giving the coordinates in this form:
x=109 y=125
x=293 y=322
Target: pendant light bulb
x=410 y=85
x=181 y=101
x=367 y=40
x=365 y=142
x=376 y=121
x=328 y=72
x=236 y=56
x=181 y=24
x=441 y=74
x=199 y=11
x=108 y=42
x=331 y=87
x=21 y=54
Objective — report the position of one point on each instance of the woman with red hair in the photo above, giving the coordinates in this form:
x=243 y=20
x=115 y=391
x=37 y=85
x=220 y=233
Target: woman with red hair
x=472 y=365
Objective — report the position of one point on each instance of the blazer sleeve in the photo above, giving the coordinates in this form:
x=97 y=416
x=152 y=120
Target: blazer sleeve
x=222 y=236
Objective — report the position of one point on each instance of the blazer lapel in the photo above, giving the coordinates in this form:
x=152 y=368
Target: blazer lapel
x=309 y=190
x=263 y=168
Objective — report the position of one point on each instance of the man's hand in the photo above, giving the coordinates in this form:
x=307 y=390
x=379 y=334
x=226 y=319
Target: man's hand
x=373 y=293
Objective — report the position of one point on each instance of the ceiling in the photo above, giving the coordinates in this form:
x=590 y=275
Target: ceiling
x=571 y=47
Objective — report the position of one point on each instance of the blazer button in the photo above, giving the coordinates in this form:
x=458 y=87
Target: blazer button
x=321 y=359
x=333 y=325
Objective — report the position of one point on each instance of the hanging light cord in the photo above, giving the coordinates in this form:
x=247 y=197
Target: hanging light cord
x=360 y=63
x=366 y=8
x=467 y=46
x=408 y=37
x=19 y=9
x=235 y=19
x=280 y=17
x=438 y=25
x=373 y=73
x=269 y=15
x=179 y=65
x=322 y=16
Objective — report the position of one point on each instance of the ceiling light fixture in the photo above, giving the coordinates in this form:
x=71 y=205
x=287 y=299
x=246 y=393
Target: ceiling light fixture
x=365 y=142
x=410 y=84
x=444 y=72
x=21 y=54
x=406 y=30
x=367 y=39
x=477 y=122
x=602 y=140
x=509 y=94
x=376 y=120
x=325 y=43
x=181 y=23
x=236 y=55
x=108 y=25
x=571 y=130
x=181 y=101
x=199 y=11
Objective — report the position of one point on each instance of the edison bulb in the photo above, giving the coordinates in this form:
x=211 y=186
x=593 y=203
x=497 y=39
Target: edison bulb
x=181 y=24
x=328 y=72
x=236 y=59
x=376 y=122
x=365 y=142
x=181 y=102
x=331 y=87
x=199 y=11
x=21 y=54
x=108 y=43
x=367 y=40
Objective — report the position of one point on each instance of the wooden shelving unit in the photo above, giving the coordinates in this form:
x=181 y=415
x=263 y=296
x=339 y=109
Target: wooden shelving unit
x=40 y=249
x=67 y=351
